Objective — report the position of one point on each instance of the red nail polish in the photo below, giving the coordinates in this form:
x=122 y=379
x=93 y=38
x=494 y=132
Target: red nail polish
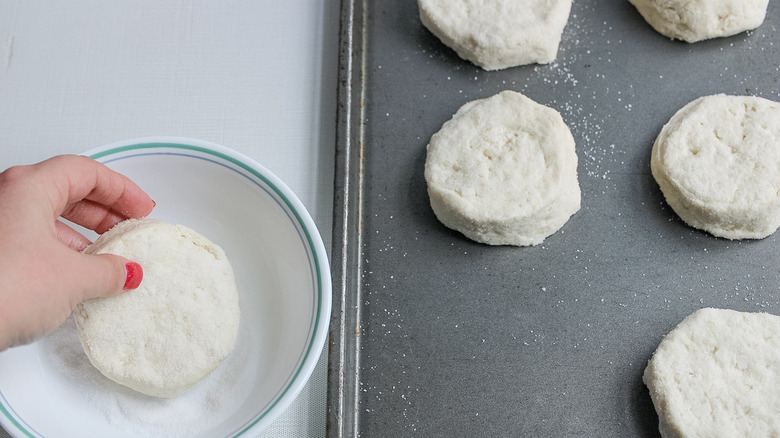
x=134 y=275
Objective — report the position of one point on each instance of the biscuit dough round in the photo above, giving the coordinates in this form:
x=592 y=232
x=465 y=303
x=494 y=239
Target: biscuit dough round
x=503 y=171
x=178 y=325
x=717 y=162
x=498 y=34
x=717 y=374
x=696 y=20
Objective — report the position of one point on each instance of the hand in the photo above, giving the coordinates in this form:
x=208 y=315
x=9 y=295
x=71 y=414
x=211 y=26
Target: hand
x=43 y=274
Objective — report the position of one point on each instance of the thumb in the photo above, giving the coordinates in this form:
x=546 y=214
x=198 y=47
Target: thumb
x=106 y=275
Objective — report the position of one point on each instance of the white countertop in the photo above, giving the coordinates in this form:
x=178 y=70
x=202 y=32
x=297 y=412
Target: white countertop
x=256 y=76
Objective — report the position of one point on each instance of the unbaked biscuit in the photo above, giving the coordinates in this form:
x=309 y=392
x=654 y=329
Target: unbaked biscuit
x=717 y=162
x=696 y=20
x=503 y=171
x=717 y=374
x=178 y=325
x=497 y=34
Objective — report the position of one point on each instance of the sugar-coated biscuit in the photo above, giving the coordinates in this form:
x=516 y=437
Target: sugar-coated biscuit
x=503 y=171
x=717 y=162
x=717 y=374
x=498 y=34
x=696 y=20
x=178 y=325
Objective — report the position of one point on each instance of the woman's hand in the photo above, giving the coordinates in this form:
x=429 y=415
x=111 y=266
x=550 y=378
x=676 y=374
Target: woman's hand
x=43 y=274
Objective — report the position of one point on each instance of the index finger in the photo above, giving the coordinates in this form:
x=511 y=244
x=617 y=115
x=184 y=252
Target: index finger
x=74 y=178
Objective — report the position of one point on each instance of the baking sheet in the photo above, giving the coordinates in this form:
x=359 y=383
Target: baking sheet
x=435 y=335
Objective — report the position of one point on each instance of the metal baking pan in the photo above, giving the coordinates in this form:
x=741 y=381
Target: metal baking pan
x=435 y=335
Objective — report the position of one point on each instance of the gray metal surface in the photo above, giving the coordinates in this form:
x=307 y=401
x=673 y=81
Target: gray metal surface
x=435 y=335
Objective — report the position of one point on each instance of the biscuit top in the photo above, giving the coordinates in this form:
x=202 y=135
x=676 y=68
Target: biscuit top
x=723 y=150
x=501 y=157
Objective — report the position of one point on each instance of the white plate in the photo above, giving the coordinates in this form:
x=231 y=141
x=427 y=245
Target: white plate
x=50 y=389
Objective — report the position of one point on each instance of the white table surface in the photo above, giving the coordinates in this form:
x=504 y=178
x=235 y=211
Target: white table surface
x=255 y=76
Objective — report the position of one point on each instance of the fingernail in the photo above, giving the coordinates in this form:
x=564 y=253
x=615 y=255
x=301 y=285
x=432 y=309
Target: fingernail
x=134 y=275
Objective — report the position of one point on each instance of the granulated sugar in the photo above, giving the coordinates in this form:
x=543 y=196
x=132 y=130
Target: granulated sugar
x=130 y=413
